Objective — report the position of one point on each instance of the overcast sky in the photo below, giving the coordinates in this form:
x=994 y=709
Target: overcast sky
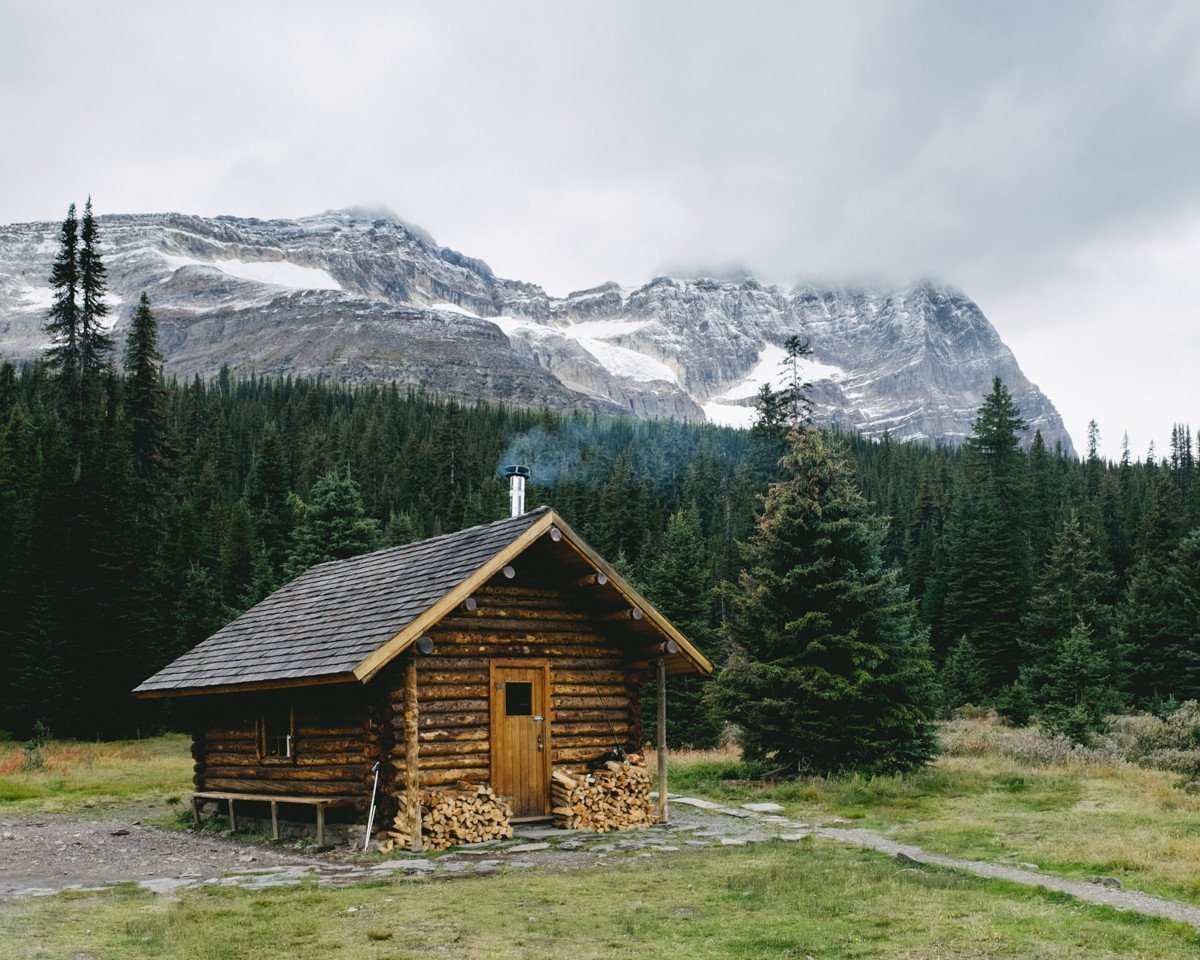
x=1045 y=158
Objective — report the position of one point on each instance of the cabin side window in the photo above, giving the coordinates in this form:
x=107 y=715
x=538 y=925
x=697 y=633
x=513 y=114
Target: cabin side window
x=277 y=733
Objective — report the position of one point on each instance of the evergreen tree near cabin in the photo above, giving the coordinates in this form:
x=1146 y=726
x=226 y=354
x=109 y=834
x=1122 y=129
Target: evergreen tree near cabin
x=827 y=668
x=332 y=526
x=678 y=583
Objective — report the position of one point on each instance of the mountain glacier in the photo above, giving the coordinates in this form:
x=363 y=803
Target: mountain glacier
x=360 y=295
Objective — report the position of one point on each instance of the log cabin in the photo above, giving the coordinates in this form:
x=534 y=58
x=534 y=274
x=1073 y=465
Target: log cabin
x=490 y=655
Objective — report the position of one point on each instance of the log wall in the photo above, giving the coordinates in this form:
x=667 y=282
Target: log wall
x=592 y=692
x=337 y=737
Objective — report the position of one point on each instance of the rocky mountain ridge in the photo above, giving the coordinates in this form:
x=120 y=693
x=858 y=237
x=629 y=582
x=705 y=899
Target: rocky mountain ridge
x=360 y=295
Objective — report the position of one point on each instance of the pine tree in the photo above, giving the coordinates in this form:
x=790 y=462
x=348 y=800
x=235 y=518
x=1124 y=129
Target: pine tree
x=95 y=343
x=332 y=525
x=1078 y=693
x=827 y=669
x=988 y=575
x=677 y=583
x=1075 y=585
x=145 y=400
x=63 y=325
x=962 y=680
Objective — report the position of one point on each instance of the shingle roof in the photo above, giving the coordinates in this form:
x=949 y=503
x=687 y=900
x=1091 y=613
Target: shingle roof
x=331 y=618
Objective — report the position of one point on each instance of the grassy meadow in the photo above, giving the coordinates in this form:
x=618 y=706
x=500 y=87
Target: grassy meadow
x=817 y=898
x=66 y=776
x=997 y=794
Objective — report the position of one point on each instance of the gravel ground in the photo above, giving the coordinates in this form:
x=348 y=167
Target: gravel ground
x=44 y=854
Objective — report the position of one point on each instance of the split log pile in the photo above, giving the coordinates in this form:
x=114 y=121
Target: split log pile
x=615 y=797
x=449 y=817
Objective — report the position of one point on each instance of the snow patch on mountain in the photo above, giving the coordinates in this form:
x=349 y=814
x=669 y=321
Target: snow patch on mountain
x=273 y=273
x=770 y=370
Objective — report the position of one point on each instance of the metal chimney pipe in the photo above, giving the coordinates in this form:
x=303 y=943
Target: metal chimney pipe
x=517 y=475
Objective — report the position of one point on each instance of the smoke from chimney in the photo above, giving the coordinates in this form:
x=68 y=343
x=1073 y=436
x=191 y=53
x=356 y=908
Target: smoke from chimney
x=517 y=475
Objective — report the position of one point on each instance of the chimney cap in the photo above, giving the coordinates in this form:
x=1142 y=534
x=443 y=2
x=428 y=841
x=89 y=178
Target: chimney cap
x=516 y=470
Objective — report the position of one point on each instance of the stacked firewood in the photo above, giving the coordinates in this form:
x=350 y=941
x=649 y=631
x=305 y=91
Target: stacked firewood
x=615 y=797
x=470 y=814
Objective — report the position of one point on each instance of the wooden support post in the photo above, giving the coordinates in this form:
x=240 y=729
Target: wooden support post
x=232 y=816
x=320 y=824
x=412 y=769
x=195 y=811
x=662 y=740
x=274 y=820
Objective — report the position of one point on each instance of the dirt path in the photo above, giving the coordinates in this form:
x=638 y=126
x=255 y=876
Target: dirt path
x=45 y=854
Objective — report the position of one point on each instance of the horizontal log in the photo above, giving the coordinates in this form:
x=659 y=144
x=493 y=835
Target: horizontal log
x=442 y=778
x=429 y=707
x=592 y=580
x=601 y=742
x=453 y=748
x=569 y=675
x=568 y=755
x=473 y=761
x=590 y=703
x=451 y=691
x=340 y=774
x=450 y=658
x=558 y=626
x=559 y=730
x=453 y=734
x=583 y=716
x=617 y=616
x=301 y=760
x=587 y=689
x=550 y=644
x=300 y=788
x=437 y=721
x=436 y=677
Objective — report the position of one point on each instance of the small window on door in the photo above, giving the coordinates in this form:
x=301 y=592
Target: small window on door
x=277 y=741
x=518 y=699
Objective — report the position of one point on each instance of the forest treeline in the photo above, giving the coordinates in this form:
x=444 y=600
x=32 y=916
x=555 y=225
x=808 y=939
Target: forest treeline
x=137 y=516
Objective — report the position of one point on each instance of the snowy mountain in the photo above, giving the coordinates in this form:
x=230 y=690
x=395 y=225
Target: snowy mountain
x=361 y=295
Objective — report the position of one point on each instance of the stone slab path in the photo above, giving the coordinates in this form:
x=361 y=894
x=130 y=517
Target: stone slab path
x=44 y=855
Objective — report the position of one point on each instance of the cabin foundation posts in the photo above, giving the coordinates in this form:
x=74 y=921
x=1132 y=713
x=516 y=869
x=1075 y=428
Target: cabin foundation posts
x=662 y=740
x=412 y=771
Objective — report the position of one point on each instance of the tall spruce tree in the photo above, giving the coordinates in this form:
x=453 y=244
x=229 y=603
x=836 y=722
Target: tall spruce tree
x=63 y=325
x=95 y=343
x=678 y=584
x=989 y=570
x=827 y=669
x=1078 y=692
x=145 y=401
x=1075 y=585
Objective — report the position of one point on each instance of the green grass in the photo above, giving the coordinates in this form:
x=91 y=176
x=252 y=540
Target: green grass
x=809 y=899
x=68 y=775
x=1070 y=818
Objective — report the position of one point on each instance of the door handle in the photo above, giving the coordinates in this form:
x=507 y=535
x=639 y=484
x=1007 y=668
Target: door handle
x=538 y=719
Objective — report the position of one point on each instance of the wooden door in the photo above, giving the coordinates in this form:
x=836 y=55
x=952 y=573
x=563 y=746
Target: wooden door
x=520 y=693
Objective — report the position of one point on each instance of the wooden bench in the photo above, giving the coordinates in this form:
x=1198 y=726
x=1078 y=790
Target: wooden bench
x=274 y=800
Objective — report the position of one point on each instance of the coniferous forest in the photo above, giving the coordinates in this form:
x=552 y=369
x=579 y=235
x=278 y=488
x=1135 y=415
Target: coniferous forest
x=138 y=515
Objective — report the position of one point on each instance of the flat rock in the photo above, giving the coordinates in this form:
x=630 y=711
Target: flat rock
x=734 y=841
x=763 y=807
x=696 y=802
x=528 y=847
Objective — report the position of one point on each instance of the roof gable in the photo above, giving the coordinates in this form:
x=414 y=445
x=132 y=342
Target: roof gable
x=346 y=619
